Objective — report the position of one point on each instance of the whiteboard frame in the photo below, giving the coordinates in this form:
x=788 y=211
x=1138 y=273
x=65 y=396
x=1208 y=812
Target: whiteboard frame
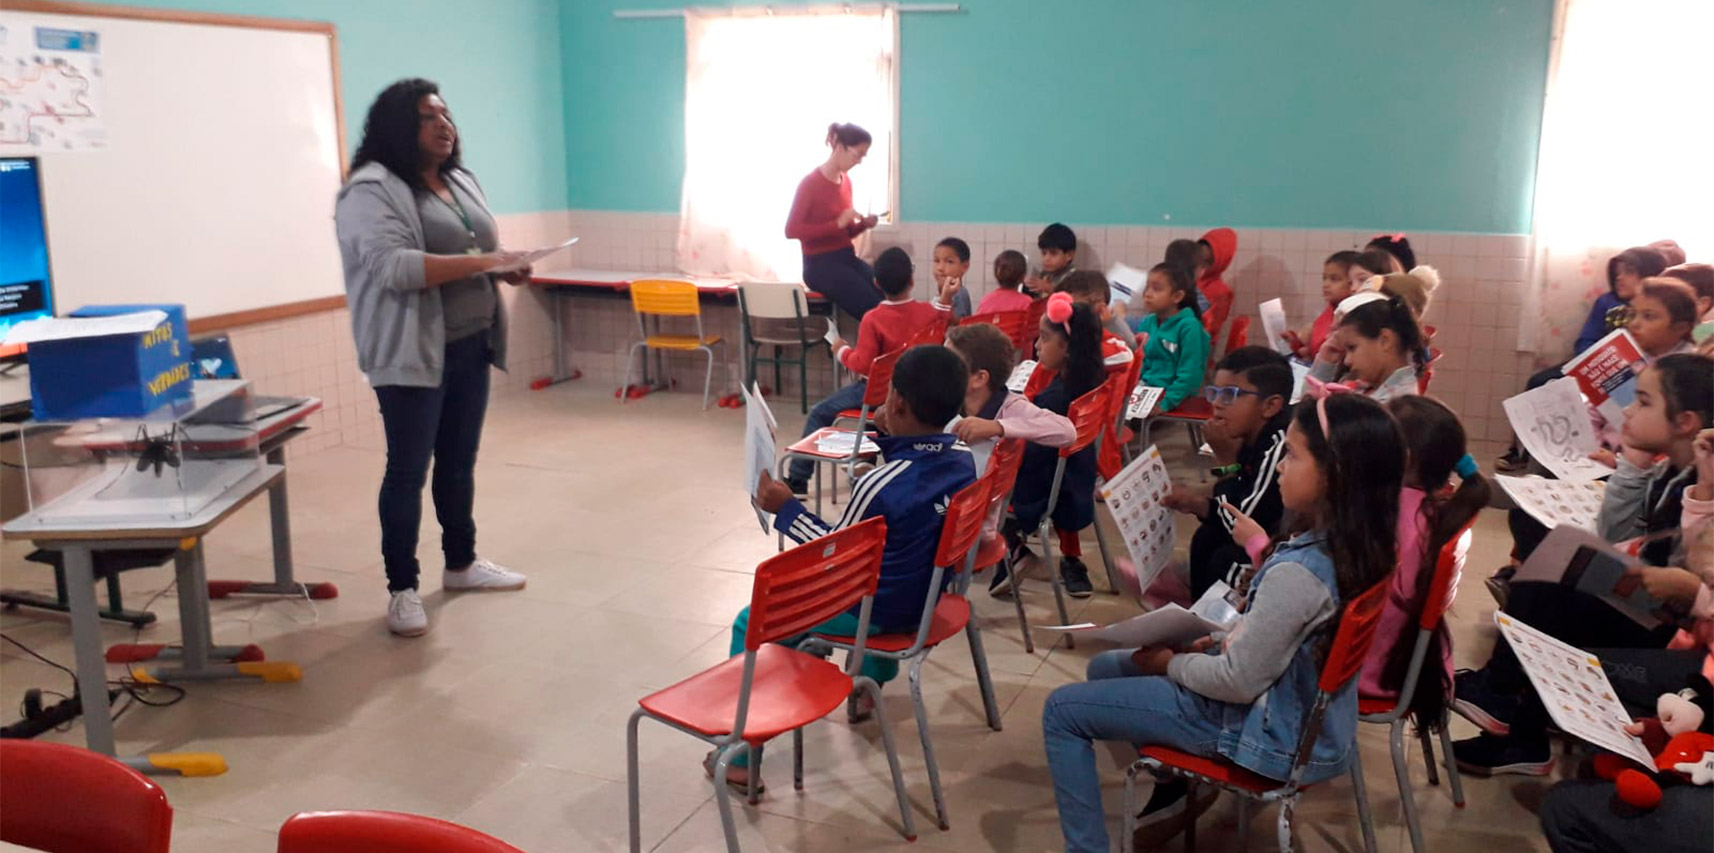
x=220 y=322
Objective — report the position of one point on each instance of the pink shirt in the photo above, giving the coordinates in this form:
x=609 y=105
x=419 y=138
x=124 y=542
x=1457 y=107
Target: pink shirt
x=1002 y=299
x=1396 y=632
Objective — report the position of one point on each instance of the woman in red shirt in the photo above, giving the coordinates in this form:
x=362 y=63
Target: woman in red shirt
x=823 y=220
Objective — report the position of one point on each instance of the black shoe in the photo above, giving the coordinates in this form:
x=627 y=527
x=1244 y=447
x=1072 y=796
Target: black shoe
x=1512 y=461
x=1168 y=811
x=799 y=487
x=1075 y=576
x=1488 y=755
x=1475 y=701
x=1001 y=584
x=1500 y=585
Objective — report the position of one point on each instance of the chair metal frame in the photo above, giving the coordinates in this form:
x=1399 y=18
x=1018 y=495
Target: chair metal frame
x=811 y=584
x=879 y=381
x=660 y=298
x=1003 y=463
x=1441 y=590
x=962 y=527
x=747 y=309
x=1347 y=651
x=1087 y=413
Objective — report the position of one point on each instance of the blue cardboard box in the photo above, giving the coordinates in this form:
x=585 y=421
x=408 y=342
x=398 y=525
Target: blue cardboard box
x=112 y=376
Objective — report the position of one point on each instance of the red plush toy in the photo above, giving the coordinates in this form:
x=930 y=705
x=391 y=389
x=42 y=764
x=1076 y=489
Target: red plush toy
x=1682 y=753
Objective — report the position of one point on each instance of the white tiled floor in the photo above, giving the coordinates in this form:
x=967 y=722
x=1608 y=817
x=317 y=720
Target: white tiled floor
x=510 y=715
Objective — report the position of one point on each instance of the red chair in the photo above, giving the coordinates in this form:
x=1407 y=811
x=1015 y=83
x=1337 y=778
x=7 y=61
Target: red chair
x=1032 y=328
x=1239 y=337
x=944 y=615
x=933 y=333
x=1015 y=324
x=382 y=832
x=1088 y=414
x=67 y=799
x=1110 y=451
x=1442 y=587
x=874 y=394
x=772 y=689
x=1193 y=412
x=1426 y=375
x=1008 y=456
x=1344 y=660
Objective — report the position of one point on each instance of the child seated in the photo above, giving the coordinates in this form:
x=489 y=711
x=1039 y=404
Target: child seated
x=1244 y=699
x=1625 y=274
x=885 y=328
x=992 y=413
x=1431 y=513
x=1335 y=286
x=1250 y=396
x=1397 y=245
x=1088 y=287
x=1175 y=356
x=951 y=262
x=1214 y=255
x=1653 y=501
x=1070 y=347
x=1379 y=344
x=1660 y=317
x=1058 y=247
x=1009 y=268
x=1700 y=277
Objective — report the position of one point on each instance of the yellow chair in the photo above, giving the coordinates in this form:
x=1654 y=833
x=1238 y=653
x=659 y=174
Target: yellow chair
x=657 y=299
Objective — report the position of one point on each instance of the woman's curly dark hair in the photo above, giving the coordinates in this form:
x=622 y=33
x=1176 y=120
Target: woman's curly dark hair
x=390 y=132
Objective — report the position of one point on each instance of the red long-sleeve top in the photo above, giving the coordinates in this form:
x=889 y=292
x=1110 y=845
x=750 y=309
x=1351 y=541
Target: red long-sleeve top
x=814 y=218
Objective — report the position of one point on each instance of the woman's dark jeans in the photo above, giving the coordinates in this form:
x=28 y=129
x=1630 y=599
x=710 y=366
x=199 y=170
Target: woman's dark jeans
x=844 y=279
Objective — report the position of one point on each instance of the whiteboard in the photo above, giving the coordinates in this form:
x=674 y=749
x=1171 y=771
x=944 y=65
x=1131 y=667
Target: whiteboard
x=216 y=185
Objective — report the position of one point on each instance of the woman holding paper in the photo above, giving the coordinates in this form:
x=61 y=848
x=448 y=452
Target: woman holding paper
x=421 y=252
x=823 y=220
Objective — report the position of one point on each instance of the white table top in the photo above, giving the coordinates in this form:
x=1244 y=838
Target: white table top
x=28 y=527
x=619 y=279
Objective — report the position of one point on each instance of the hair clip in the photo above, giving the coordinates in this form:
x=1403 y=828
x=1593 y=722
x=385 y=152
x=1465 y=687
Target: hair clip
x=1059 y=310
x=1466 y=467
x=1316 y=389
x=1358 y=300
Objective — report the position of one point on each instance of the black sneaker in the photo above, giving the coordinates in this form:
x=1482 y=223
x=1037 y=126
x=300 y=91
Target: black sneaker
x=1168 y=811
x=1487 y=755
x=1500 y=585
x=1512 y=461
x=1475 y=701
x=1001 y=584
x=799 y=487
x=1075 y=576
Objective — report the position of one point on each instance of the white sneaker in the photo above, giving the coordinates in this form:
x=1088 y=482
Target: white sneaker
x=405 y=615
x=483 y=576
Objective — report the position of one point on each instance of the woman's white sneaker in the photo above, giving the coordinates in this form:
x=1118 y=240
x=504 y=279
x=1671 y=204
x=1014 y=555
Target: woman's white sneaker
x=482 y=575
x=405 y=615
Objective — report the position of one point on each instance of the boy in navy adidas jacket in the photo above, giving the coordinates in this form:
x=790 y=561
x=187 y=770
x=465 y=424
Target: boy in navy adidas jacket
x=920 y=469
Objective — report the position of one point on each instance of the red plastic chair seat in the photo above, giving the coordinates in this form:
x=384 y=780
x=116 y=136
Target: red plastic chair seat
x=950 y=617
x=1375 y=707
x=806 y=446
x=1192 y=409
x=790 y=690
x=853 y=414
x=1217 y=769
x=382 y=832
x=991 y=552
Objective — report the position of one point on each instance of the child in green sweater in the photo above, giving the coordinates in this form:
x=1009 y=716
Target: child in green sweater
x=1175 y=357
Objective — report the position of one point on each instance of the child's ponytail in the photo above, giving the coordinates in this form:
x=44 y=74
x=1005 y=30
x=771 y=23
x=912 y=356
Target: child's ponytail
x=1084 y=370
x=1390 y=313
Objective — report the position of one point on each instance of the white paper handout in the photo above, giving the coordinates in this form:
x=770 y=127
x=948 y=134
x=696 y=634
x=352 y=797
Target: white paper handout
x=1169 y=625
x=1553 y=423
x=534 y=255
x=67 y=328
x=1574 y=689
x=1556 y=502
x=1134 y=497
x=759 y=427
x=832 y=336
x=1274 y=325
x=1020 y=378
x=1587 y=563
x=1299 y=378
x=1125 y=282
x=1143 y=400
x=842 y=442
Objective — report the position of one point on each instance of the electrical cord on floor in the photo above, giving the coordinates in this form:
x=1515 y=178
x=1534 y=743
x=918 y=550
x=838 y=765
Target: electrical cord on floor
x=135 y=691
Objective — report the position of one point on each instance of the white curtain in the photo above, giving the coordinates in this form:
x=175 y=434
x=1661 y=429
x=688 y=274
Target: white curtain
x=760 y=91
x=1625 y=153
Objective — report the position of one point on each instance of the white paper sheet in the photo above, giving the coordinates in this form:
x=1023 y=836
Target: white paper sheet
x=1274 y=325
x=1143 y=400
x=1168 y=625
x=759 y=451
x=534 y=255
x=67 y=328
x=1299 y=378
x=1574 y=689
x=1134 y=497
x=832 y=336
x=841 y=443
x=1553 y=423
x=1125 y=282
x=1020 y=377
x=1556 y=502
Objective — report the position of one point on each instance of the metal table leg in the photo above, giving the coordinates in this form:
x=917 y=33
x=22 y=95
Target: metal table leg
x=280 y=530
x=197 y=629
x=91 y=664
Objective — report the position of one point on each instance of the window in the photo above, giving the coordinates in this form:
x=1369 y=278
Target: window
x=760 y=91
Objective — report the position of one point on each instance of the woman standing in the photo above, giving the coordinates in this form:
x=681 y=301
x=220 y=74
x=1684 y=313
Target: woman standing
x=420 y=250
x=823 y=220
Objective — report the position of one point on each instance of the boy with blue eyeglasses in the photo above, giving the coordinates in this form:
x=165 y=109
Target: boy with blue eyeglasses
x=1250 y=395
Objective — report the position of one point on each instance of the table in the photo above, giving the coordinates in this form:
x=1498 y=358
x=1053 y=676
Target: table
x=562 y=284
x=80 y=542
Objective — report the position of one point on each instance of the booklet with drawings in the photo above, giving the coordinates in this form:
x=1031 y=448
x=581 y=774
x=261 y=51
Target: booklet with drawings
x=1606 y=373
x=1574 y=689
x=1586 y=562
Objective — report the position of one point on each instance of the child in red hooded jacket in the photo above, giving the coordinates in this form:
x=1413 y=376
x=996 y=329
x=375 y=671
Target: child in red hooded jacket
x=1214 y=255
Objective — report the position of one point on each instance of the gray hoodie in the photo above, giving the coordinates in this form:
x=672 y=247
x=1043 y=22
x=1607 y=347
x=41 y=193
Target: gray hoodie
x=395 y=317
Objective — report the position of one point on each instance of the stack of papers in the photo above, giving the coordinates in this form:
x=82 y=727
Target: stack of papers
x=1020 y=378
x=841 y=442
x=1170 y=625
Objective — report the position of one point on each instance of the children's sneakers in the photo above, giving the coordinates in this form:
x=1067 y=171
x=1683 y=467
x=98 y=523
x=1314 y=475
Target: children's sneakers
x=1075 y=576
x=1489 y=755
x=481 y=576
x=1168 y=810
x=405 y=615
x=1479 y=703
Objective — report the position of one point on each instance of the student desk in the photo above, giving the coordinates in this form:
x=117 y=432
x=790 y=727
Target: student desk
x=79 y=542
x=562 y=284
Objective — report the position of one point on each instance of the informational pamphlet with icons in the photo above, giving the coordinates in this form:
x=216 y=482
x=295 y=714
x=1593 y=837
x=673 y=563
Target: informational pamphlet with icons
x=1575 y=690
x=1135 y=497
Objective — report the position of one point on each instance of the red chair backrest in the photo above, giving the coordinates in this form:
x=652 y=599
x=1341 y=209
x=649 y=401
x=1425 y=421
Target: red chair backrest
x=1040 y=378
x=1445 y=582
x=962 y=525
x=1119 y=387
x=1032 y=328
x=1012 y=323
x=1351 y=642
x=799 y=589
x=1003 y=463
x=67 y=799
x=1239 y=337
x=880 y=379
x=1088 y=414
x=933 y=333
x=1426 y=375
x=382 y=832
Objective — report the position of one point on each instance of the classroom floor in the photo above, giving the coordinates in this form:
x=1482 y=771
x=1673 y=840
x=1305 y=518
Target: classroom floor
x=510 y=716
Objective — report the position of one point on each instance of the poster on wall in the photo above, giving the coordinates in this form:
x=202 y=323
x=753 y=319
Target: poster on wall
x=50 y=89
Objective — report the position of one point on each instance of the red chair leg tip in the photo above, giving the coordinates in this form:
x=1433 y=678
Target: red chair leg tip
x=323 y=591
x=222 y=589
x=250 y=653
x=911 y=838
x=1459 y=805
x=944 y=826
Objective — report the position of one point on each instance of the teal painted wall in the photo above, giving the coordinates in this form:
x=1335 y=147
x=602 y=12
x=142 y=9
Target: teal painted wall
x=1409 y=114
x=497 y=62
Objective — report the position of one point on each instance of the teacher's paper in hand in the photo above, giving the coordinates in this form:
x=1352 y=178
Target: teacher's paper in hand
x=532 y=256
